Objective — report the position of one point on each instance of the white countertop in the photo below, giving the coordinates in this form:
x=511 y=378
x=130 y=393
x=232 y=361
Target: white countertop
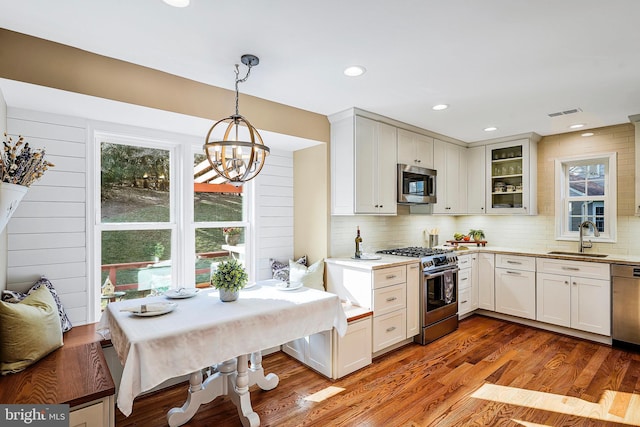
x=373 y=264
x=392 y=260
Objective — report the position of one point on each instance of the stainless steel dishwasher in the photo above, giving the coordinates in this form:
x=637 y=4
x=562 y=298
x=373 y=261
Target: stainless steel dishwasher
x=626 y=305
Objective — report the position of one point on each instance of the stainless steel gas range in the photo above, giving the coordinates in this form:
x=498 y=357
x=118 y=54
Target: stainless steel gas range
x=438 y=291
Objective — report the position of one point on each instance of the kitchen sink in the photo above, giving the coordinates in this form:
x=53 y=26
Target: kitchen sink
x=577 y=254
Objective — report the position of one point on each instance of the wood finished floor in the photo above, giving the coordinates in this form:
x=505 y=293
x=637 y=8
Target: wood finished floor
x=488 y=373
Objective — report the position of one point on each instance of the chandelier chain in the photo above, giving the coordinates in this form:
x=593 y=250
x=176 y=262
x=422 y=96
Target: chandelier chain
x=240 y=81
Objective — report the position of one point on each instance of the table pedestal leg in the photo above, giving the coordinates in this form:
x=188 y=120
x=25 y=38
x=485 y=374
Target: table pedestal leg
x=232 y=378
x=256 y=373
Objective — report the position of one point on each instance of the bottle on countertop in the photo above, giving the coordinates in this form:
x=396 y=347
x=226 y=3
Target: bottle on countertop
x=358 y=242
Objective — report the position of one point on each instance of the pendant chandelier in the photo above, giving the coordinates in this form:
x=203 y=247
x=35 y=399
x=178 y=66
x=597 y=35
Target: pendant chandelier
x=240 y=155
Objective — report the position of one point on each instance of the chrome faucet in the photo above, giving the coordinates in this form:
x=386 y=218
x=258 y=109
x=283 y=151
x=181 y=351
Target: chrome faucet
x=596 y=233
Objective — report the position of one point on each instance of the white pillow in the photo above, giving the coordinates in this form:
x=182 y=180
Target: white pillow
x=311 y=277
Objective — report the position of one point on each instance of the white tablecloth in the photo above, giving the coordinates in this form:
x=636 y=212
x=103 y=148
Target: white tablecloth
x=203 y=331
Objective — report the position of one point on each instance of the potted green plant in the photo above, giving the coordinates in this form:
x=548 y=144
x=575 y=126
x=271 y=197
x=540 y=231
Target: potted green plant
x=477 y=235
x=232 y=235
x=229 y=277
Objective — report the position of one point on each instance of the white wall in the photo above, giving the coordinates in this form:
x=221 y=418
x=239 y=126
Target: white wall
x=273 y=218
x=47 y=235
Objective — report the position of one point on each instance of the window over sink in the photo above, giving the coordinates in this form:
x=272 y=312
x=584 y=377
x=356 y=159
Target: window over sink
x=586 y=191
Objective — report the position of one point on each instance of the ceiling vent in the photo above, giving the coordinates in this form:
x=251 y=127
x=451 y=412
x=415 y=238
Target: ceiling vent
x=564 y=113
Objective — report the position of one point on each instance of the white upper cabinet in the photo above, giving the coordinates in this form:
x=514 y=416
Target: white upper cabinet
x=363 y=165
x=511 y=177
x=450 y=161
x=415 y=149
x=476 y=184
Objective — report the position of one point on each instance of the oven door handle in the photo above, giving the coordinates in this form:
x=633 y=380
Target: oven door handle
x=441 y=273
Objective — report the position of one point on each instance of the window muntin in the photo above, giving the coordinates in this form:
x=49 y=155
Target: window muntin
x=586 y=190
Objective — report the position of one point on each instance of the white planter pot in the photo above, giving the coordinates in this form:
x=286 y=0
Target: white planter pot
x=10 y=196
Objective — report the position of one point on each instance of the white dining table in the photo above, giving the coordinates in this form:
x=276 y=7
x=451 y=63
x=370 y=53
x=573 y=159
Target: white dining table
x=203 y=333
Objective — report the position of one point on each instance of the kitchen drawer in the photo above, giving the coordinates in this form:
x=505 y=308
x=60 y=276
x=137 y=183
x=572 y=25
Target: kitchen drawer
x=593 y=270
x=464 y=261
x=464 y=301
x=464 y=279
x=391 y=298
x=516 y=262
x=389 y=329
x=389 y=276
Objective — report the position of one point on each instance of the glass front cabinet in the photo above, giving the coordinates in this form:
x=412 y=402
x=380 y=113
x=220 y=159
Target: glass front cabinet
x=511 y=177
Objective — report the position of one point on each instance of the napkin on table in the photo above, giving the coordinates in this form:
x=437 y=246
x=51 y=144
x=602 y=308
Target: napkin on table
x=145 y=308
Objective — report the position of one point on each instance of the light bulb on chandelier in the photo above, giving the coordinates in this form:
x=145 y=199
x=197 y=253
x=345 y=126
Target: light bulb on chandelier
x=226 y=156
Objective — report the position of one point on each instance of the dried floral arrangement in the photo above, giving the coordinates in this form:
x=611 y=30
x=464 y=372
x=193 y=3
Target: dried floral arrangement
x=20 y=164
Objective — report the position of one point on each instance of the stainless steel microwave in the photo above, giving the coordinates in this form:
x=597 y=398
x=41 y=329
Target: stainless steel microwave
x=416 y=185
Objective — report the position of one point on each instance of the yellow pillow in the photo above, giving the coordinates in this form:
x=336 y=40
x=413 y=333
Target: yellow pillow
x=29 y=330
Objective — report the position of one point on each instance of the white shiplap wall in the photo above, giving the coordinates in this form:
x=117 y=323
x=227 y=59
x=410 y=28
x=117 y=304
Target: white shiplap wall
x=47 y=235
x=273 y=217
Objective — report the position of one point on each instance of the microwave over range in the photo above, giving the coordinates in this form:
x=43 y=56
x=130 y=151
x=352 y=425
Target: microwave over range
x=416 y=185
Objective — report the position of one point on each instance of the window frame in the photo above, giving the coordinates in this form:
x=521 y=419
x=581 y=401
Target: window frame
x=562 y=197
x=181 y=149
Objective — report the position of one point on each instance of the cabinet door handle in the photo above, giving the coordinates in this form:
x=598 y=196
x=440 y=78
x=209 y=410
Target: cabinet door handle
x=391 y=329
x=413 y=267
x=463 y=302
x=575 y=284
x=464 y=278
x=514 y=262
x=566 y=282
x=391 y=276
x=391 y=299
x=564 y=267
x=516 y=273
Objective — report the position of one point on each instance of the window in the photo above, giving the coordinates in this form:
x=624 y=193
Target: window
x=159 y=211
x=586 y=192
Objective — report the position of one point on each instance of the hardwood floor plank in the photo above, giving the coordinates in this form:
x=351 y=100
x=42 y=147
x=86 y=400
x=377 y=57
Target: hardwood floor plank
x=488 y=372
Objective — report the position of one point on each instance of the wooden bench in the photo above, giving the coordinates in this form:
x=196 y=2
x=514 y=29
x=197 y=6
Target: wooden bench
x=75 y=374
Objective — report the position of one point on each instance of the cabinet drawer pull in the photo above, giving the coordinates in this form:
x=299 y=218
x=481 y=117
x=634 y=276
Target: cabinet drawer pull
x=413 y=267
x=514 y=262
x=516 y=273
x=391 y=329
x=391 y=276
x=564 y=267
x=463 y=302
x=463 y=278
x=566 y=282
x=391 y=299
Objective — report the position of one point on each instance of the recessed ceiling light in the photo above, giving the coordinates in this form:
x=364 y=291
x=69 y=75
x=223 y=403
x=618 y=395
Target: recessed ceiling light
x=490 y=129
x=354 y=71
x=440 y=107
x=177 y=3
x=577 y=126
x=588 y=134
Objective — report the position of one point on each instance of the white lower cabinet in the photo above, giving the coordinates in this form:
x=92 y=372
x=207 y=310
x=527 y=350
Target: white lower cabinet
x=332 y=355
x=486 y=281
x=99 y=413
x=414 y=277
x=314 y=351
x=353 y=351
x=582 y=303
x=516 y=293
x=467 y=286
x=389 y=329
x=515 y=286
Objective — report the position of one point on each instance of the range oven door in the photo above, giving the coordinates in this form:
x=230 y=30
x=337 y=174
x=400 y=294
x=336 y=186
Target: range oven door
x=439 y=301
